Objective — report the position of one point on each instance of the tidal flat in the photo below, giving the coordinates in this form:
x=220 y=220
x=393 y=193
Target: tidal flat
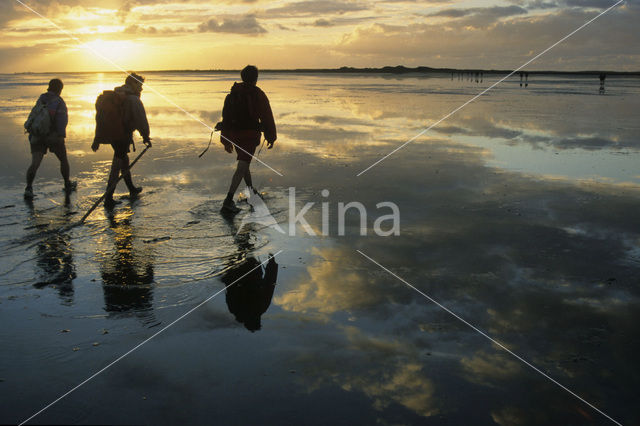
x=518 y=214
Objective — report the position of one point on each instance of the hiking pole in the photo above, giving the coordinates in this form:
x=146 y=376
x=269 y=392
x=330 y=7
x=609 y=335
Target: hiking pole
x=207 y=149
x=113 y=186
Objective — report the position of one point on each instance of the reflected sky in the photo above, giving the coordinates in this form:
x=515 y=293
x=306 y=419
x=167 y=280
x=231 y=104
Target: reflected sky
x=519 y=213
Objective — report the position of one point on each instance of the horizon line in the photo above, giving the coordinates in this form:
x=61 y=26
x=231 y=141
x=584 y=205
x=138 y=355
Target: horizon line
x=387 y=69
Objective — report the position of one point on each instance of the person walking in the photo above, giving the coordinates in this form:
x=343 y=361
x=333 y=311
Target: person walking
x=134 y=118
x=51 y=138
x=245 y=115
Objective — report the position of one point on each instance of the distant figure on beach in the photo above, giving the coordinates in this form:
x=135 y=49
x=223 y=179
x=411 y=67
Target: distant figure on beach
x=249 y=290
x=526 y=79
x=246 y=113
x=603 y=76
x=47 y=126
x=134 y=118
x=521 y=76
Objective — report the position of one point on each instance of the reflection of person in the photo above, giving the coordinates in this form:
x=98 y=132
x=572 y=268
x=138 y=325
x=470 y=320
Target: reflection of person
x=127 y=275
x=134 y=117
x=54 y=257
x=245 y=114
x=54 y=140
x=250 y=289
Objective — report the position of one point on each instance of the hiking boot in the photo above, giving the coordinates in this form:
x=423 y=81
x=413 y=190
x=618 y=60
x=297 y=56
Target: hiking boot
x=229 y=206
x=133 y=193
x=70 y=186
x=110 y=203
x=28 y=193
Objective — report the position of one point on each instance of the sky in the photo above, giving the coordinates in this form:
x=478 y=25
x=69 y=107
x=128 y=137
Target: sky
x=104 y=35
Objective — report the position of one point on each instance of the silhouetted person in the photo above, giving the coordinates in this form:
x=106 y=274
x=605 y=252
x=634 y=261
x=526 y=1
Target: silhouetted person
x=134 y=118
x=246 y=113
x=526 y=79
x=603 y=76
x=127 y=274
x=521 y=76
x=249 y=293
x=54 y=140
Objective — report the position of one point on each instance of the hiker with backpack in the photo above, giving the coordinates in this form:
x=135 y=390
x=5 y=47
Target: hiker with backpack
x=246 y=113
x=46 y=125
x=119 y=113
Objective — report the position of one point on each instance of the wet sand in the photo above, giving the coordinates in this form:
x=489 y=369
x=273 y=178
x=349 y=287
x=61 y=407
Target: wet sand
x=519 y=214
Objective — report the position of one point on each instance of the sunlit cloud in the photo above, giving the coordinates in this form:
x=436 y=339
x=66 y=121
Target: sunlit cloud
x=330 y=34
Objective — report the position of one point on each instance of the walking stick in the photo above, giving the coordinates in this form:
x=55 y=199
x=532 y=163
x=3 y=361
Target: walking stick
x=113 y=186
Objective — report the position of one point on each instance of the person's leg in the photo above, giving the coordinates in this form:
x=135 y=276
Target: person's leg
x=247 y=177
x=36 y=159
x=241 y=169
x=113 y=178
x=133 y=190
x=61 y=152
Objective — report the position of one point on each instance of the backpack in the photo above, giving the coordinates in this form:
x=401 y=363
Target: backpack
x=236 y=113
x=39 y=121
x=109 y=118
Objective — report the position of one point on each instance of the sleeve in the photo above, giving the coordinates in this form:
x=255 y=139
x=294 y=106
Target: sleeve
x=224 y=134
x=62 y=119
x=266 y=118
x=140 y=119
x=224 y=139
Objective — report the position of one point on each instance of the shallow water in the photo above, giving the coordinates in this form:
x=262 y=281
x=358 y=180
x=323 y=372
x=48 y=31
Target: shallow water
x=518 y=213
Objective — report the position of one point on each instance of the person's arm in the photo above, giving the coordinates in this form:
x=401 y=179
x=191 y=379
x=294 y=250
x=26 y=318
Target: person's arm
x=224 y=140
x=140 y=120
x=61 y=119
x=266 y=118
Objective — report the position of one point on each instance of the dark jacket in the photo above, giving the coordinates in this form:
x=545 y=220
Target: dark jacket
x=134 y=115
x=260 y=111
x=58 y=111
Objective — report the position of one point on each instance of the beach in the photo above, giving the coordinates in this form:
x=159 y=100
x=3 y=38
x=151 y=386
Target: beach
x=518 y=234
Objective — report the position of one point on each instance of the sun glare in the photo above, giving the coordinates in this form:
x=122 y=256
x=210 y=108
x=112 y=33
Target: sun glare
x=119 y=51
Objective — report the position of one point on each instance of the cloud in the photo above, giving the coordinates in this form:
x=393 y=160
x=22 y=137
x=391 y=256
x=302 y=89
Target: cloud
x=322 y=23
x=124 y=10
x=314 y=8
x=493 y=12
x=541 y=4
x=152 y=30
x=481 y=16
x=236 y=25
x=338 y=21
x=597 y=4
x=481 y=41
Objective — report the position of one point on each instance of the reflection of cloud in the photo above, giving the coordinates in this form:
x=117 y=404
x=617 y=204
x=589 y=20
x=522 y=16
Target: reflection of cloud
x=388 y=371
x=405 y=385
x=329 y=288
x=486 y=368
x=540 y=134
x=509 y=416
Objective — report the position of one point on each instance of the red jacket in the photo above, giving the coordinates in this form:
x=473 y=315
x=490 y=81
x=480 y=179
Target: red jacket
x=260 y=111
